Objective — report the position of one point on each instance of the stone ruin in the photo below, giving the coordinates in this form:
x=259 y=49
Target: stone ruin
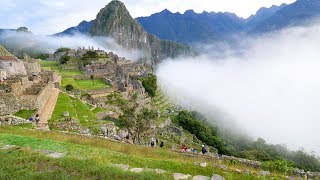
x=23 y=85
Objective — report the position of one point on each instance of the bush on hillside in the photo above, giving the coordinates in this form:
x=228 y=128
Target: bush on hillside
x=62 y=49
x=69 y=87
x=150 y=84
x=64 y=59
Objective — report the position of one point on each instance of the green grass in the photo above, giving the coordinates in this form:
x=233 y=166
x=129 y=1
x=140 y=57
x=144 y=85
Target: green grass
x=97 y=110
x=68 y=77
x=87 y=84
x=84 y=84
x=69 y=80
x=76 y=108
x=54 y=66
x=92 y=158
x=25 y=114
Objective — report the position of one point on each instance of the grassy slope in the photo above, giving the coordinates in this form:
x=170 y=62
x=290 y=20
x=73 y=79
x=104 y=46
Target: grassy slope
x=75 y=107
x=25 y=113
x=91 y=158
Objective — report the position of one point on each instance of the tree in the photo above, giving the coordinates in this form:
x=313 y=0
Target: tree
x=87 y=56
x=64 y=59
x=62 y=49
x=137 y=122
x=69 y=87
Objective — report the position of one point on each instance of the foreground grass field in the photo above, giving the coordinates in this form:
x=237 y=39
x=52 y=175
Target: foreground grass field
x=93 y=158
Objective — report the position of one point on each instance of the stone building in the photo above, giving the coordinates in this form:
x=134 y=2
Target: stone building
x=12 y=65
x=33 y=68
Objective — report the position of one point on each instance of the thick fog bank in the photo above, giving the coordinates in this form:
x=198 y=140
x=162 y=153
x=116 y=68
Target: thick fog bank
x=270 y=88
x=49 y=44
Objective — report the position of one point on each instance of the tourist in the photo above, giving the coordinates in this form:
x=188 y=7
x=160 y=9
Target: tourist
x=184 y=148
x=161 y=144
x=152 y=142
x=203 y=150
x=193 y=150
x=37 y=118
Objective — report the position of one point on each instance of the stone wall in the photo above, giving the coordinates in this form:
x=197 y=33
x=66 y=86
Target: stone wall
x=12 y=120
x=32 y=68
x=44 y=96
x=13 y=67
x=11 y=103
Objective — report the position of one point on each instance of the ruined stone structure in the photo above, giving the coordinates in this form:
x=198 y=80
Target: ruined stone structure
x=32 y=67
x=122 y=74
x=9 y=63
x=23 y=84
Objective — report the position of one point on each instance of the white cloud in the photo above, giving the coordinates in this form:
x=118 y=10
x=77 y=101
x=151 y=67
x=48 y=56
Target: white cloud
x=48 y=17
x=49 y=44
x=270 y=89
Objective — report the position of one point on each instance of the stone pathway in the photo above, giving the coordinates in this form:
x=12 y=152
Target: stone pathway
x=46 y=112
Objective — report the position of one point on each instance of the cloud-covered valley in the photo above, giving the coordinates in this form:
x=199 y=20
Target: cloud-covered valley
x=269 y=88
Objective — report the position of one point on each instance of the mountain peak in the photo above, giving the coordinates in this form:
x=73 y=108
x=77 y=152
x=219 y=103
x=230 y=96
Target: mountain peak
x=189 y=11
x=111 y=17
x=166 y=11
x=115 y=21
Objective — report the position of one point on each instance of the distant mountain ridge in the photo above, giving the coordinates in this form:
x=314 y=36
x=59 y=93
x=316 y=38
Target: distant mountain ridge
x=199 y=27
x=298 y=13
x=82 y=28
x=191 y=26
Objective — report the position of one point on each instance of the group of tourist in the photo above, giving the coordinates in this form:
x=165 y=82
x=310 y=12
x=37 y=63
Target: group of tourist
x=193 y=150
x=184 y=147
x=37 y=118
x=153 y=143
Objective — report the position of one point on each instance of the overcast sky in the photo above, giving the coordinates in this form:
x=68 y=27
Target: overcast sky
x=52 y=16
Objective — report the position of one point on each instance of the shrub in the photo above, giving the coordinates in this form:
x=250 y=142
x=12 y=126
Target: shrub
x=62 y=49
x=150 y=84
x=69 y=87
x=64 y=59
x=278 y=166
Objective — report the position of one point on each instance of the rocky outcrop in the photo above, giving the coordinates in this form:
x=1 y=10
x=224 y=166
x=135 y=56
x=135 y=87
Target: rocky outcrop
x=115 y=21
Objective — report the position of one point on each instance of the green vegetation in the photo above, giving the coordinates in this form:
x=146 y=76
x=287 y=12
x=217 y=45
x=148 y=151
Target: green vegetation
x=92 y=158
x=278 y=166
x=69 y=87
x=274 y=156
x=25 y=114
x=88 y=56
x=64 y=59
x=150 y=84
x=54 y=66
x=62 y=49
x=203 y=132
x=84 y=84
x=76 y=108
x=42 y=56
x=137 y=122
